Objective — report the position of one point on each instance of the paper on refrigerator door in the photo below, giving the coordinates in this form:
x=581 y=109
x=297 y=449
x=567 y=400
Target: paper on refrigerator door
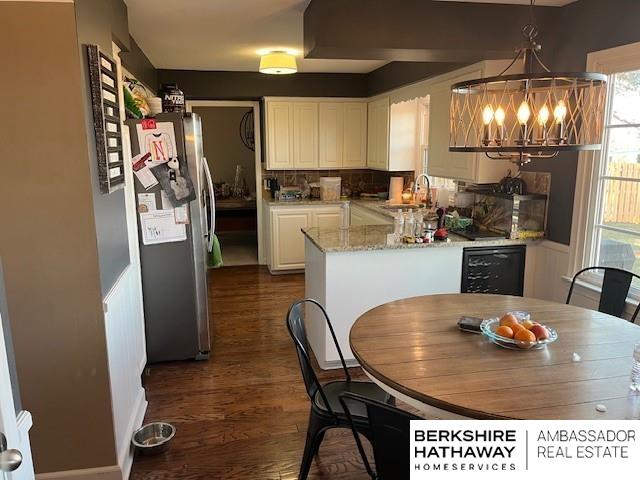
x=146 y=202
x=160 y=227
x=159 y=142
x=181 y=214
x=142 y=171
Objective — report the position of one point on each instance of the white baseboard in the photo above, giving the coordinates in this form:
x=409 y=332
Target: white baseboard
x=125 y=457
x=24 y=422
x=111 y=472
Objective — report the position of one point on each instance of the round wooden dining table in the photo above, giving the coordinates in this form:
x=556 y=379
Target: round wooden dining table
x=414 y=350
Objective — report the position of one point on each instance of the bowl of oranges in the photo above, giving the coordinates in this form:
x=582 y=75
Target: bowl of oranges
x=517 y=331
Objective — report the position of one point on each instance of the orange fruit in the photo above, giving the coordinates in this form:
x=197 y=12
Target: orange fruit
x=508 y=320
x=528 y=324
x=525 y=335
x=517 y=327
x=504 y=331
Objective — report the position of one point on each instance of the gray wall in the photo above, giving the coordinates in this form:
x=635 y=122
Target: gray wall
x=584 y=26
x=94 y=24
x=222 y=144
x=48 y=241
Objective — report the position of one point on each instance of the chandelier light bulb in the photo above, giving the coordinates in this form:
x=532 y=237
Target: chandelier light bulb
x=560 y=112
x=487 y=115
x=499 y=116
x=543 y=116
x=524 y=112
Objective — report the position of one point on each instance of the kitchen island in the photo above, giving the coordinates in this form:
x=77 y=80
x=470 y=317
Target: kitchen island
x=350 y=271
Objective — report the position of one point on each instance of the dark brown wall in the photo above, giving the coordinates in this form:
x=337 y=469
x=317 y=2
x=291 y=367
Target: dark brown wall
x=212 y=85
x=253 y=85
x=118 y=18
x=397 y=74
x=414 y=30
x=48 y=240
x=584 y=26
x=139 y=65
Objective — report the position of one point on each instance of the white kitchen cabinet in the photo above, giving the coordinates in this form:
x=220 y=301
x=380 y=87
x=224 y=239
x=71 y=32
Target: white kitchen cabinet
x=378 y=134
x=332 y=136
x=315 y=133
x=355 y=135
x=286 y=240
x=466 y=166
x=327 y=218
x=305 y=135
x=279 y=132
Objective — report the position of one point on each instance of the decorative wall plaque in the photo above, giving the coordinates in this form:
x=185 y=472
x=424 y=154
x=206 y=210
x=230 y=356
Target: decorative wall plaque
x=103 y=79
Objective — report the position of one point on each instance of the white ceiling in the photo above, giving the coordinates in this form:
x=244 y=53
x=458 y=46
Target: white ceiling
x=225 y=34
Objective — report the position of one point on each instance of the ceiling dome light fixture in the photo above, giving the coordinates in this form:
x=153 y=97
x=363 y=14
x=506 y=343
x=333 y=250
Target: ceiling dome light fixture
x=278 y=63
x=531 y=115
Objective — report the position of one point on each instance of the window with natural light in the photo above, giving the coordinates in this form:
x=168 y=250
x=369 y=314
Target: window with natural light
x=616 y=233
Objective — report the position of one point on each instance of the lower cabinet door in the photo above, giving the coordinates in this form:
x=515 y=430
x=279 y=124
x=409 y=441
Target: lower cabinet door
x=328 y=219
x=287 y=241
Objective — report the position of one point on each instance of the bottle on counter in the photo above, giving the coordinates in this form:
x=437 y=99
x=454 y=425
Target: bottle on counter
x=398 y=224
x=410 y=224
x=420 y=226
x=346 y=215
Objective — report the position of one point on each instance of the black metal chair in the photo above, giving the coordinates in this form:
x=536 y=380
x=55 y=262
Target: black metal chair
x=615 y=288
x=326 y=409
x=389 y=436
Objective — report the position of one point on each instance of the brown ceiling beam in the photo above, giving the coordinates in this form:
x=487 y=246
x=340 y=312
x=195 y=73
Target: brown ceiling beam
x=417 y=30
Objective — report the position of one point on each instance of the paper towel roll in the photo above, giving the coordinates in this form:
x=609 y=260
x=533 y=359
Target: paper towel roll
x=396 y=185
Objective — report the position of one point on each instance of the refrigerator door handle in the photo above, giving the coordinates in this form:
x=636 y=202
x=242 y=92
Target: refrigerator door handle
x=212 y=205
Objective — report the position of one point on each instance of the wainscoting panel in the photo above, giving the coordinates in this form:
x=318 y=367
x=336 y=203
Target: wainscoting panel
x=551 y=279
x=124 y=323
x=550 y=265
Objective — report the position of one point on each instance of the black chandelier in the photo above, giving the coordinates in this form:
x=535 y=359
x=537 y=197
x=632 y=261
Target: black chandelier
x=536 y=114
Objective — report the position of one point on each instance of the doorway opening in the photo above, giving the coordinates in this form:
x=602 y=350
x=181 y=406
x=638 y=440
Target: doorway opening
x=231 y=144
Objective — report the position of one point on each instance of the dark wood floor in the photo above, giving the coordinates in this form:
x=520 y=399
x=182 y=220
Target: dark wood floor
x=243 y=414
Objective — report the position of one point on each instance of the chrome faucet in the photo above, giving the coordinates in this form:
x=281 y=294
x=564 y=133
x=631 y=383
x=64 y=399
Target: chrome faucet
x=416 y=188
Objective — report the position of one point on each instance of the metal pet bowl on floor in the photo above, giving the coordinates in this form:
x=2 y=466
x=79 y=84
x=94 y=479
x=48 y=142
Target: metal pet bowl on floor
x=153 y=438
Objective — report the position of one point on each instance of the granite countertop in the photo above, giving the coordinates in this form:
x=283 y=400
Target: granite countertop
x=374 y=237
x=376 y=206
x=307 y=201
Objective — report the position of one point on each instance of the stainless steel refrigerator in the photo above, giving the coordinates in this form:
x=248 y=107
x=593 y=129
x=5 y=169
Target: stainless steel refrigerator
x=174 y=275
